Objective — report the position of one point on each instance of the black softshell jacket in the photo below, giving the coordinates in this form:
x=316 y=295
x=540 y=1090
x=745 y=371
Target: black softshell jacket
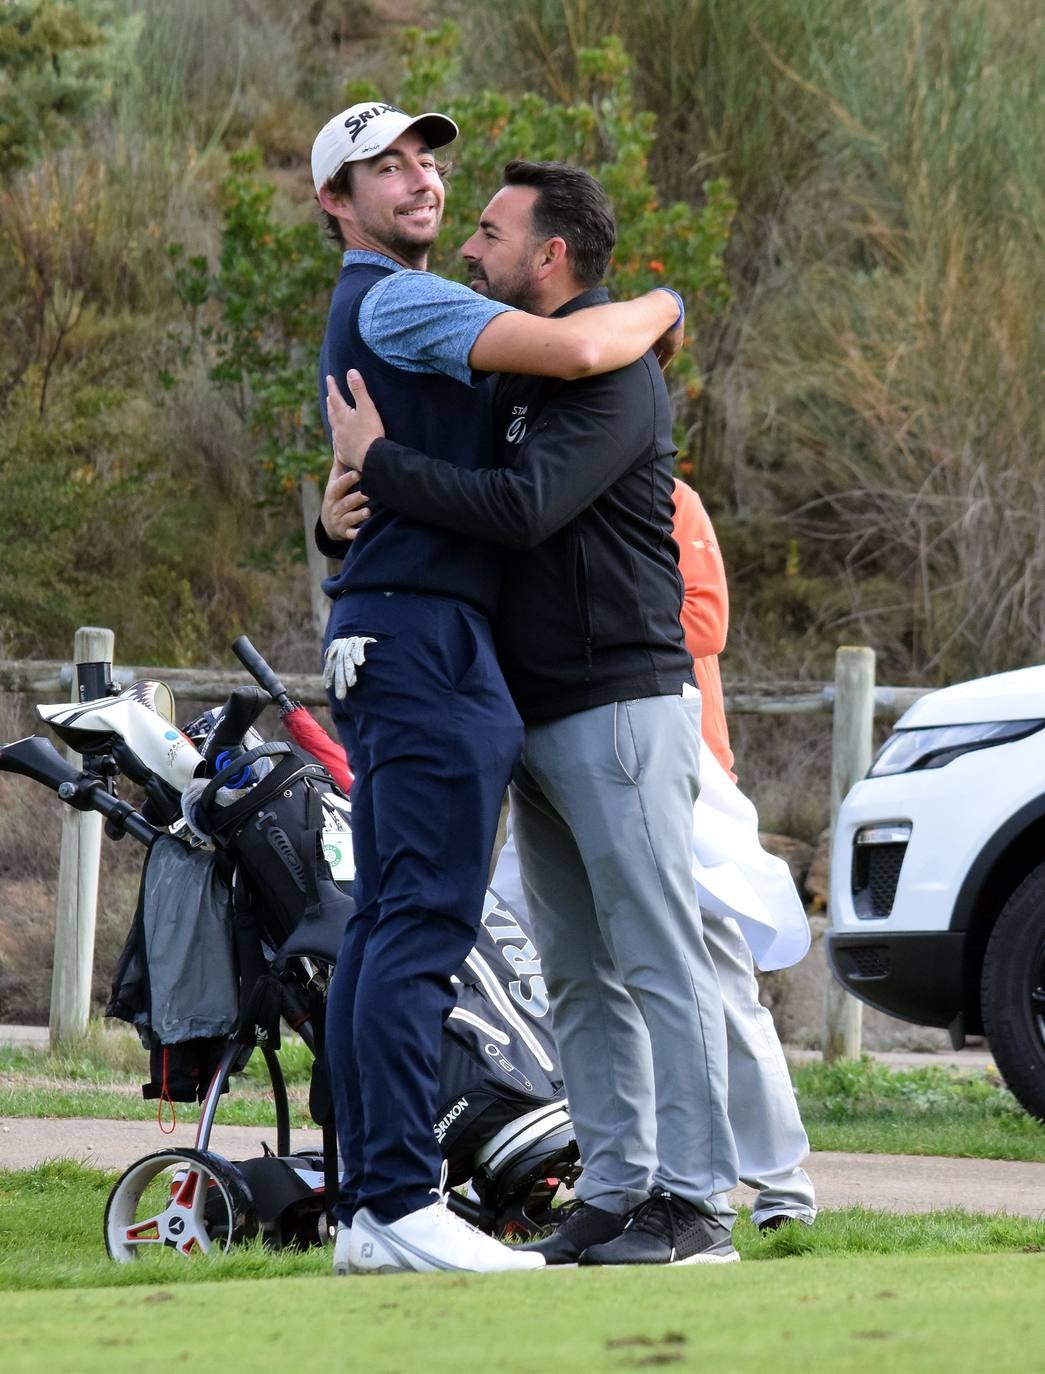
x=581 y=501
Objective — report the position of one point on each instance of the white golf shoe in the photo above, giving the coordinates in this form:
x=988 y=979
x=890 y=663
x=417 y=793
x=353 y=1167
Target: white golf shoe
x=341 y=1243
x=428 y=1240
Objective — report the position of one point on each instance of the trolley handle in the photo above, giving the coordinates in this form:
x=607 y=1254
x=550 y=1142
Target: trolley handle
x=37 y=758
x=262 y=672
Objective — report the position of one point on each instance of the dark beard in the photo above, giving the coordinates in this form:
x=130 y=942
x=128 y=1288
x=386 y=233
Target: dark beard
x=517 y=291
x=406 y=250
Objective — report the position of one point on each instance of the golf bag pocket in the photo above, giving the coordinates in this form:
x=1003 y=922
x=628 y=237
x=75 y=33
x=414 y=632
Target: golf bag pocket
x=188 y=945
x=489 y=1071
x=176 y=980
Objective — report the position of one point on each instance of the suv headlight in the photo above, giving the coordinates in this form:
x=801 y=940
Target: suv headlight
x=909 y=750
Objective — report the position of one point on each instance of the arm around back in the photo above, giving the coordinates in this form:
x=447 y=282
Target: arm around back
x=584 y=440
x=585 y=343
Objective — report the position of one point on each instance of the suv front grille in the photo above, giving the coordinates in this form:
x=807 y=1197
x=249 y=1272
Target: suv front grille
x=866 y=961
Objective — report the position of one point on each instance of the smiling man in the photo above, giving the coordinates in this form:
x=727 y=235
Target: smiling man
x=416 y=692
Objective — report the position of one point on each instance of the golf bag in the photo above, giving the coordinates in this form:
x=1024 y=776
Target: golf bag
x=278 y=823
x=501 y=1121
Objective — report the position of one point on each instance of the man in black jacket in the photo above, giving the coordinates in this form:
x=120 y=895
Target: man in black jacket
x=589 y=640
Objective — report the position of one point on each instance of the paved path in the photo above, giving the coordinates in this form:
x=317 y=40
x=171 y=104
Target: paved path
x=893 y=1183
x=968 y=1060
x=25 y=1037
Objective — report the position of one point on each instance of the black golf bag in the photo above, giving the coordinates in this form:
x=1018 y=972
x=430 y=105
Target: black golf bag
x=502 y=1121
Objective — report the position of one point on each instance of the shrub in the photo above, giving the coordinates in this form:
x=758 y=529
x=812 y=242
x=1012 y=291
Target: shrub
x=47 y=76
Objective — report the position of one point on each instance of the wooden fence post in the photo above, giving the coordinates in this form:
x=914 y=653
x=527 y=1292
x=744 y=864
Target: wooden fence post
x=78 y=866
x=851 y=741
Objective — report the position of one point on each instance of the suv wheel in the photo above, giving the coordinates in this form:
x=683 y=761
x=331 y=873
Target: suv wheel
x=1012 y=992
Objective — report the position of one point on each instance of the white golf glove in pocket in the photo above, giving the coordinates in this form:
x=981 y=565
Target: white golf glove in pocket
x=343 y=659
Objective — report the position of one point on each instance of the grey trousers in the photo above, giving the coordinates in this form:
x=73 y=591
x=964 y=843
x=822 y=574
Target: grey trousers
x=767 y=1126
x=771 y=1140
x=602 y=808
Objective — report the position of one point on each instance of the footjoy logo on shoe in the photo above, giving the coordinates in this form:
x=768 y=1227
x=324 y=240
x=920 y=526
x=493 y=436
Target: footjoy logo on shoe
x=441 y=1127
x=366 y=1250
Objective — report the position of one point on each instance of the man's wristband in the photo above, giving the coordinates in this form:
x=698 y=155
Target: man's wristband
x=679 y=300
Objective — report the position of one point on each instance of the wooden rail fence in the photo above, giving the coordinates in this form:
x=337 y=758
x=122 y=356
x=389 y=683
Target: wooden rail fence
x=853 y=699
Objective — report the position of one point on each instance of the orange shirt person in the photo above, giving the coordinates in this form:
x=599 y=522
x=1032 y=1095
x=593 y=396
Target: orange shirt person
x=705 y=614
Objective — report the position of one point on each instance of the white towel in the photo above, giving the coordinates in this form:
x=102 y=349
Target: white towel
x=734 y=875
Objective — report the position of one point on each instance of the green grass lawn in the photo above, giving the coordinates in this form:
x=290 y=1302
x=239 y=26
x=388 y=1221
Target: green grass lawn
x=862 y=1105
x=51 y=1237
x=948 y=1314
x=101 y=1077
x=934 y=1110
x=945 y=1292
x=114 y=1103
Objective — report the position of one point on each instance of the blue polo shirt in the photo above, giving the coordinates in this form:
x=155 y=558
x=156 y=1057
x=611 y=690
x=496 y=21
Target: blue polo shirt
x=419 y=321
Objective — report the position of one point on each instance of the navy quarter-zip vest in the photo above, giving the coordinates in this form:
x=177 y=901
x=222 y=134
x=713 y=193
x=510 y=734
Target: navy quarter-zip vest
x=427 y=411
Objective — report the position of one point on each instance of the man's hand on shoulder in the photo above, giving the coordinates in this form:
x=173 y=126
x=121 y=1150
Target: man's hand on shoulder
x=353 y=431
x=670 y=342
x=344 y=506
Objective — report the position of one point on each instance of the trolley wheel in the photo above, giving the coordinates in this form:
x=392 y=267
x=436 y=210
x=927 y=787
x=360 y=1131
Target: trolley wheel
x=189 y=1201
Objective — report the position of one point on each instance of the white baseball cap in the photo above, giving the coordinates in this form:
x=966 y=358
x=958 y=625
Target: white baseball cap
x=366 y=129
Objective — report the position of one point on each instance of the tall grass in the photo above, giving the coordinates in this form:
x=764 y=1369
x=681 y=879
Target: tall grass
x=870 y=409
x=124 y=504
x=897 y=373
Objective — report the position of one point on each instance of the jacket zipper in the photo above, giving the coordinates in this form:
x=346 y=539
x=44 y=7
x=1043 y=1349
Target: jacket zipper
x=584 y=604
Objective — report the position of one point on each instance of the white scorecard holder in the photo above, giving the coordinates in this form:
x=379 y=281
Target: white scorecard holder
x=337 y=850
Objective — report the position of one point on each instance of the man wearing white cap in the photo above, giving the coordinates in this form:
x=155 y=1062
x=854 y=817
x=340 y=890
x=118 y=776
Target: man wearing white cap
x=415 y=689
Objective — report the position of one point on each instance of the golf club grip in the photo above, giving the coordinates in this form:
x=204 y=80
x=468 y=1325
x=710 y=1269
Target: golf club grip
x=240 y=712
x=259 y=669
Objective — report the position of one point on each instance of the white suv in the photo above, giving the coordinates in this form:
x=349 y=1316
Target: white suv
x=938 y=873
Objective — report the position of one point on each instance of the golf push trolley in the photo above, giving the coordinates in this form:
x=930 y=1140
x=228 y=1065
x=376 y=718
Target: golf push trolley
x=244 y=898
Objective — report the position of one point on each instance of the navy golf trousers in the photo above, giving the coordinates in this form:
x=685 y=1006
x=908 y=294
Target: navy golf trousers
x=432 y=737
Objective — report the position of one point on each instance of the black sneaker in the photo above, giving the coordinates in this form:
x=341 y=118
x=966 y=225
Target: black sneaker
x=666 y=1230
x=779 y=1219
x=582 y=1224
